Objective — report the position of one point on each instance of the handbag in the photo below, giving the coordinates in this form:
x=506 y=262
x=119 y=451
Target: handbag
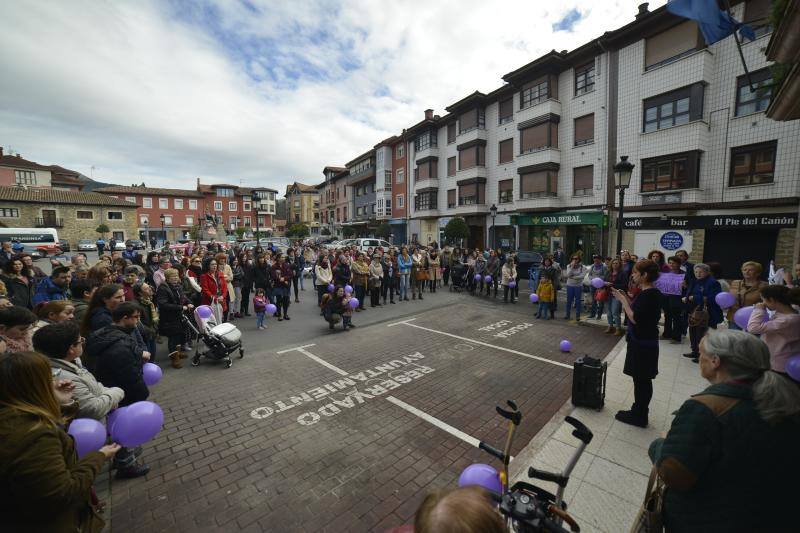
x=601 y=295
x=699 y=316
x=649 y=518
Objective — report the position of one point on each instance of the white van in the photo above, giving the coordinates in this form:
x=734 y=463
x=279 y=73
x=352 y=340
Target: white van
x=44 y=240
x=364 y=244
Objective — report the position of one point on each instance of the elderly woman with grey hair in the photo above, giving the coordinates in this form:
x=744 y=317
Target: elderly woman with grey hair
x=729 y=461
x=702 y=308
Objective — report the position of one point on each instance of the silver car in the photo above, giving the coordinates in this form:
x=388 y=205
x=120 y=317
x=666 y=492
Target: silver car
x=87 y=245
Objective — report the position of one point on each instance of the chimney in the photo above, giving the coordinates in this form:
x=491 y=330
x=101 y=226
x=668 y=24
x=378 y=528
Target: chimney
x=429 y=114
x=642 y=10
x=436 y=117
x=19 y=155
x=1 y=151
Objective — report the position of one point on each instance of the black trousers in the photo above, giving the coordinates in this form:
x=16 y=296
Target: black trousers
x=506 y=290
x=388 y=288
x=642 y=394
x=244 y=307
x=446 y=275
x=282 y=303
x=673 y=317
x=295 y=281
x=375 y=296
x=321 y=290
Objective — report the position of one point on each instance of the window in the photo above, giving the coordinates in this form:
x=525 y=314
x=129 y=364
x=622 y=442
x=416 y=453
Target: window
x=506 y=110
x=359 y=211
x=233 y=221
x=147 y=203
x=225 y=192
x=748 y=101
x=337 y=214
x=372 y=208
x=131 y=199
x=672 y=44
x=247 y=206
x=474 y=156
x=505 y=191
x=425 y=200
x=538 y=137
x=582 y=178
x=85 y=215
x=247 y=220
x=217 y=205
x=673 y=108
x=246 y=198
x=143 y=220
x=189 y=220
x=387 y=179
x=472 y=194
x=9 y=212
x=163 y=203
x=400 y=150
x=584 y=78
x=756 y=14
x=427 y=170
x=538 y=184
x=424 y=141
x=118 y=236
x=753 y=164
x=451 y=198
x=451 y=166
x=401 y=175
x=25 y=177
x=193 y=205
x=671 y=172
x=451 y=133
x=167 y=220
x=506 y=151
x=114 y=215
x=399 y=201
x=362 y=166
x=388 y=206
x=232 y=206
x=584 y=130
x=537 y=91
x=474 y=118
x=178 y=203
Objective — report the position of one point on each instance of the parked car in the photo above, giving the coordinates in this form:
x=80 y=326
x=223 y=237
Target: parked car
x=527 y=260
x=36 y=252
x=364 y=244
x=136 y=243
x=64 y=245
x=120 y=245
x=87 y=245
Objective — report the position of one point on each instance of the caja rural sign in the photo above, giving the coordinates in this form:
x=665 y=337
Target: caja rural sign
x=559 y=219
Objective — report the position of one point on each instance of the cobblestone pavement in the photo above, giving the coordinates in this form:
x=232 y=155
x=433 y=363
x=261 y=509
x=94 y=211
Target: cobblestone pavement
x=325 y=438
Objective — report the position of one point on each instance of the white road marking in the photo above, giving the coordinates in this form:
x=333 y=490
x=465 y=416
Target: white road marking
x=472 y=441
x=509 y=350
x=302 y=350
x=401 y=322
x=296 y=348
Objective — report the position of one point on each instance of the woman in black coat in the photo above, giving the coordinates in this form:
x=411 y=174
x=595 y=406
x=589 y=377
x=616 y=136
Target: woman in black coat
x=641 y=358
x=172 y=303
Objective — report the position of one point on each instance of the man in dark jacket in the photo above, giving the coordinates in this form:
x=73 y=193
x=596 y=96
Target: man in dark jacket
x=118 y=363
x=248 y=267
x=54 y=287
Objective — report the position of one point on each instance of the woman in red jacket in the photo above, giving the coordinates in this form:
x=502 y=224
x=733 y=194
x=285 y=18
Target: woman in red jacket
x=214 y=288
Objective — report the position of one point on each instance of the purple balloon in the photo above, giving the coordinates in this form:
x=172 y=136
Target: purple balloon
x=481 y=475
x=139 y=423
x=330 y=287
x=598 y=283
x=477 y=277
x=793 y=367
x=111 y=418
x=534 y=297
x=204 y=311
x=742 y=316
x=89 y=435
x=271 y=309
x=725 y=300
x=348 y=289
x=512 y=284
x=353 y=303
x=151 y=374
x=488 y=279
x=565 y=345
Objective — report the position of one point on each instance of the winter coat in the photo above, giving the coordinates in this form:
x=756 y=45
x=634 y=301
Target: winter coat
x=19 y=292
x=480 y=265
x=324 y=275
x=118 y=362
x=94 y=399
x=574 y=275
x=80 y=309
x=434 y=263
x=545 y=291
x=360 y=272
x=101 y=317
x=43 y=484
x=262 y=276
x=214 y=288
x=618 y=280
x=509 y=273
x=375 y=274
x=248 y=269
x=555 y=275
x=170 y=301
x=493 y=266
x=341 y=274
x=390 y=269
x=721 y=459
x=707 y=288
x=781 y=334
x=47 y=291
x=746 y=295
x=227 y=273
x=260 y=303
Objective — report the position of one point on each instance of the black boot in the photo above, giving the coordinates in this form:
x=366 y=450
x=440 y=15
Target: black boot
x=632 y=417
x=132 y=471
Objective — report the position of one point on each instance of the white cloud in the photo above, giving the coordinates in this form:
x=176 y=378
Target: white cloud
x=147 y=93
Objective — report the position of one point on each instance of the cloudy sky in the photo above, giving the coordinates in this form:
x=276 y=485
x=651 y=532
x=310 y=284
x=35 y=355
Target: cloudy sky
x=255 y=91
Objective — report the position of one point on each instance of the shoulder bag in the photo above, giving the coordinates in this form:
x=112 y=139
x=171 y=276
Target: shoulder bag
x=699 y=316
x=649 y=519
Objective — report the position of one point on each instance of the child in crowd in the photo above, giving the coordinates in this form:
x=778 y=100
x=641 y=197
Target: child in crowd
x=260 y=307
x=546 y=294
x=16 y=329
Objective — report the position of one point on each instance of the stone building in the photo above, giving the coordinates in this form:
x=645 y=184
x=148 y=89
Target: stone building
x=75 y=215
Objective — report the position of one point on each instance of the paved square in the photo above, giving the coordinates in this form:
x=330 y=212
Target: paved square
x=351 y=430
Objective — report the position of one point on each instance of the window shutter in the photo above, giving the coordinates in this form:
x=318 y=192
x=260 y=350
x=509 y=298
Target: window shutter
x=506 y=108
x=582 y=177
x=534 y=137
x=451 y=133
x=468 y=190
x=423 y=173
x=451 y=197
x=506 y=151
x=756 y=12
x=467 y=158
x=469 y=119
x=505 y=185
x=584 y=129
x=451 y=166
x=672 y=42
x=534 y=182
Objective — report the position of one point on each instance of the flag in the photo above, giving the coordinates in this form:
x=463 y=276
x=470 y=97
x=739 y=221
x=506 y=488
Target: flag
x=714 y=23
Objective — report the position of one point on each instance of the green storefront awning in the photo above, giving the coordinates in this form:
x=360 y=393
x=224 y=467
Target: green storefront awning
x=594 y=218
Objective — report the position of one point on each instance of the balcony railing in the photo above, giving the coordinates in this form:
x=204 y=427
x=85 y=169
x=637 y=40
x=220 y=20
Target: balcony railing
x=49 y=222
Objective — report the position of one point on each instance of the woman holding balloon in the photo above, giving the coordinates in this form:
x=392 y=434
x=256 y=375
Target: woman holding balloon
x=781 y=333
x=747 y=290
x=46 y=486
x=703 y=310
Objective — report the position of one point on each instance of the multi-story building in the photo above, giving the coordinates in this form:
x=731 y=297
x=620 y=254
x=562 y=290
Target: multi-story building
x=264 y=208
x=230 y=205
x=163 y=214
x=399 y=199
x=302 y=206
x=384 y=161
x=362 y=183
x=18 y=172
x=65 y=179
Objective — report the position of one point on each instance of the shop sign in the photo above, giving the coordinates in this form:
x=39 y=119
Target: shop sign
x=760 y=221
x=659 y=199
x=558 y=219
x=671 y=240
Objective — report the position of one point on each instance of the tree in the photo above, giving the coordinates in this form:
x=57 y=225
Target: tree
x=456 y=229
x=348 y=231
x=194 y=232
x=383 y=231
x=298 y=230
x=325 y=231
x=240 y=231
x=102 y=229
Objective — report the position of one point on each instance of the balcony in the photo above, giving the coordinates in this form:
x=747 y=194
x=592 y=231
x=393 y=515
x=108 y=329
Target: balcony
x=550 y=106
x=426 y=184
x=49 y=222
x=467 y=207
x=474 y=134
x=472 y=172
x=426 y=213
x=539 y=202
x=683 y=138
x=430 y=151
x=695 y=67
x=546 y=154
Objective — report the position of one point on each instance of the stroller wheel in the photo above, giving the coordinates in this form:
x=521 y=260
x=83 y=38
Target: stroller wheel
x=241 y=353
x=195 y=360
x=228 y=363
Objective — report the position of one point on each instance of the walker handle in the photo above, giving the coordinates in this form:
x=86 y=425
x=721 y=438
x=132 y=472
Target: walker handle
x=581 y=431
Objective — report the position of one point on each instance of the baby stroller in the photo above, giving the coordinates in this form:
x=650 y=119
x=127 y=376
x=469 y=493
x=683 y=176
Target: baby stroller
x=221 y=340
x=458 y=277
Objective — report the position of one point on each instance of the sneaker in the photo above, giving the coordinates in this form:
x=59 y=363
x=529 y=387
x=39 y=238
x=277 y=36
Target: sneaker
x=280 y=319
x=286 y=318
x=133 y=471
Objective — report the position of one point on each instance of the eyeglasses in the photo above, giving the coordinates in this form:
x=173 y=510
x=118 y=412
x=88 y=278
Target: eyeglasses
x=80 y=341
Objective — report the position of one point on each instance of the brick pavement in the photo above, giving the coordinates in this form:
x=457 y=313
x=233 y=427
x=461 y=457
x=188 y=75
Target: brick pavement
x=363 y=467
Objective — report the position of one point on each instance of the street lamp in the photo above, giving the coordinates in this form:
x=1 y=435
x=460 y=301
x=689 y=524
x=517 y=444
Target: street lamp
x=146 y=231
x=163 y=234
x=622 y=179
x=493 y=211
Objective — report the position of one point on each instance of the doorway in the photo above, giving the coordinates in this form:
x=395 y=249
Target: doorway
x=726 y=247
x=49 y=218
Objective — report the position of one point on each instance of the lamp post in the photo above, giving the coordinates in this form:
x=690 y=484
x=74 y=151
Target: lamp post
x=146 y=232
x=622 y=179
x=493 y=211
x=163 y=234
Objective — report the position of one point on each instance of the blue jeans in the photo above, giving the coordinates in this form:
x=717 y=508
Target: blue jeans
x=260 y=318
x=300 y=280
x=614 y=313
x=404 y=285
x=544 y=308
x=574 y=294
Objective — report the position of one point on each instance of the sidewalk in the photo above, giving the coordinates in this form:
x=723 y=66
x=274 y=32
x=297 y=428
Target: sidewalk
x=607 y=486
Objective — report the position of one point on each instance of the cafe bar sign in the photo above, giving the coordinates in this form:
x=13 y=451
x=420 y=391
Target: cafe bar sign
x=595 y=218
x=749 y=221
